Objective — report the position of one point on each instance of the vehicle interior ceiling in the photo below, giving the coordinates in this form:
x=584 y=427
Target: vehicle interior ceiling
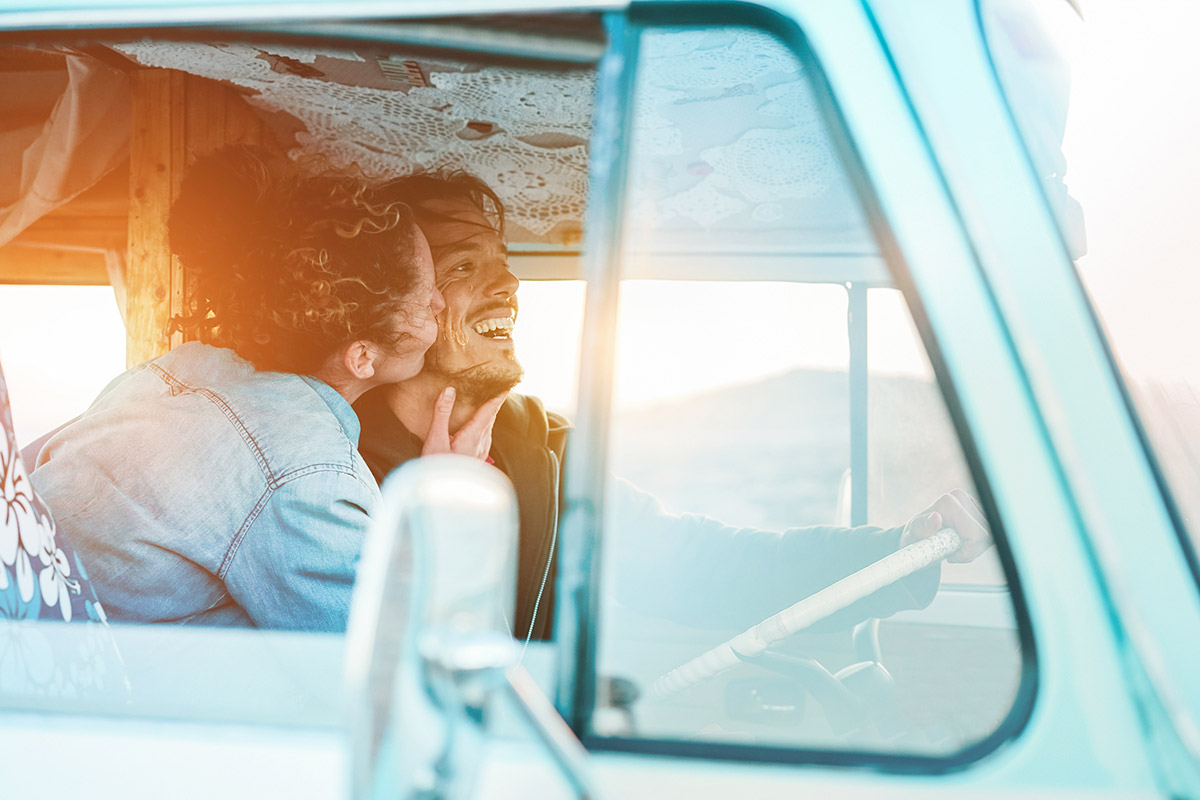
x=94 y=136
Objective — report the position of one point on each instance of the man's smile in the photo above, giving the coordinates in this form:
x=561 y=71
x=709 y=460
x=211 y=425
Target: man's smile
x=495 y=328
x=496 y=322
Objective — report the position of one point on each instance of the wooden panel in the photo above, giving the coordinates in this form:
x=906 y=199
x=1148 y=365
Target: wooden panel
x=242 y=124
x=176 y=119
x=93 y=233
x=55 y=266
x=108 y=198
x=68 y=245
x=118 y=229
x=156 y=161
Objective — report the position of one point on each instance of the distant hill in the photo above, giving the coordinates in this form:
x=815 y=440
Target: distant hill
x=773 y=453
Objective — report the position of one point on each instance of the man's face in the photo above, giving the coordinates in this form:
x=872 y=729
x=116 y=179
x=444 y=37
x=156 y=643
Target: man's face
x=474 y=349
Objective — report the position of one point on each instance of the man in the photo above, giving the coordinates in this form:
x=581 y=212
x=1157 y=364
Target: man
x=474 y=354
x=463 y=221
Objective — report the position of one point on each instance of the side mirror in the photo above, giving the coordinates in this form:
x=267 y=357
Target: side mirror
x=435 y=579
x=429 y=647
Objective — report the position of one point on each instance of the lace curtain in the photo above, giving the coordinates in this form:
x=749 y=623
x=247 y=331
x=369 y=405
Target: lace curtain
x=728 y=140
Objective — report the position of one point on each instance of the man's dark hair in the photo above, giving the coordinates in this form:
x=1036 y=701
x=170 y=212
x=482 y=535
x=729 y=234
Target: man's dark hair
x=418 y=189
x=286 y=265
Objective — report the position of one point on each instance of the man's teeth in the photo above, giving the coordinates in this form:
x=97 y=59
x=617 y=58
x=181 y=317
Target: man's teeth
x=496 y=323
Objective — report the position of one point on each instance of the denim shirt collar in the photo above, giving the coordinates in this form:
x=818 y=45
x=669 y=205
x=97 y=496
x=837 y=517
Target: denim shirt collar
x=338 y=405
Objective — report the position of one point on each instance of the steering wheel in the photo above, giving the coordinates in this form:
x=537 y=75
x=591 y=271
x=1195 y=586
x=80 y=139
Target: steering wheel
x=837 y=694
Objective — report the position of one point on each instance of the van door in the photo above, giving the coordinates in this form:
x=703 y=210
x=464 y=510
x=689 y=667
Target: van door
x=771 y=181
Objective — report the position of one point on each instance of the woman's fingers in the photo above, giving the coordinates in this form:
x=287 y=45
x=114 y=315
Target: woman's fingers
x=474 y=438
x=438 y=439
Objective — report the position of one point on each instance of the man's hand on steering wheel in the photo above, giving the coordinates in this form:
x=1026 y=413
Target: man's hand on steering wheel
x=957 y=510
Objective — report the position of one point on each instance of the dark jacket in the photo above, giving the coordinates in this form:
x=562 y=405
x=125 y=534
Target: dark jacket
x=527 y=446
x=683 y=567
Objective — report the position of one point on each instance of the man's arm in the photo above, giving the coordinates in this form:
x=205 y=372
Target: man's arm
x=699 y=571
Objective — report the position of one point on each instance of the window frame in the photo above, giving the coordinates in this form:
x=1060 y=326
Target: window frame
x=331 y=27
x=580 y=560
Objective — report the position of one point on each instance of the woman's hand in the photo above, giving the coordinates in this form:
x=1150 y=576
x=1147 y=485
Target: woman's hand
x=473 y=439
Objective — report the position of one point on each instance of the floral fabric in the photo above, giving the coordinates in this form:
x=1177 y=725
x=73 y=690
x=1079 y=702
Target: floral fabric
x=41 y=578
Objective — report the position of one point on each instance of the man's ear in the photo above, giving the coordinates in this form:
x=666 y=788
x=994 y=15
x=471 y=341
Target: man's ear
x=359 y=359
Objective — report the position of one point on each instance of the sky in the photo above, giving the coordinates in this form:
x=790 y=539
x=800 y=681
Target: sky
x=59 y=346
x=1131 y=161
x=1134 y=163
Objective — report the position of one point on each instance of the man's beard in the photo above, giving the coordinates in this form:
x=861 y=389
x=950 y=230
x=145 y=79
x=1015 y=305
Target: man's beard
x=477 y=385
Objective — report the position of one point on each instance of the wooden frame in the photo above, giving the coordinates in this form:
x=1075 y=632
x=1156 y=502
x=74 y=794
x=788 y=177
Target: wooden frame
x=115 y=233
x=176 y=118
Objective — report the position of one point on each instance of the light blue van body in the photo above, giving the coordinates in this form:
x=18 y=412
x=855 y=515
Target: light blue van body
x=1110 y=704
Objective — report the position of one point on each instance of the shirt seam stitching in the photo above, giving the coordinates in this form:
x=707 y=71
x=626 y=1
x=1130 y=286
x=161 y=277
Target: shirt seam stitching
x=247 y=523
x=264 y=498
x=229 y=413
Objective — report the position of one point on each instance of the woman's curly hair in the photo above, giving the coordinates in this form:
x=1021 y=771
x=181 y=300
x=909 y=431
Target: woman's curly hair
x=287 y=265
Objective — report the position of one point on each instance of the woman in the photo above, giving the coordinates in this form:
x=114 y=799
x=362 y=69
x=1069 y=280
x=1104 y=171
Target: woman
x=220 y=483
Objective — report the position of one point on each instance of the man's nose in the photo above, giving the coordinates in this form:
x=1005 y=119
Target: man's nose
x=437 y=303
x=502 y=282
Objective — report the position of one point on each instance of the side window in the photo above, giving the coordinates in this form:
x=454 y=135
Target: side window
x=551 y=324
x=518 y=122
x=58 y=371
x=776 y=427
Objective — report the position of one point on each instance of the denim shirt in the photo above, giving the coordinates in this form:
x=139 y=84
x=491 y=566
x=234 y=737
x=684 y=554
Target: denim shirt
x=200 y=490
